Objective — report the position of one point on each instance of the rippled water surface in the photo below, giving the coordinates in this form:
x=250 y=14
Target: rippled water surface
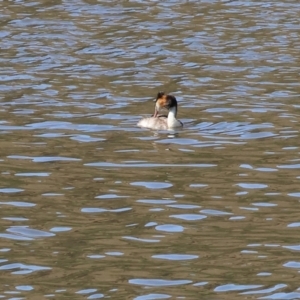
x=93 y=206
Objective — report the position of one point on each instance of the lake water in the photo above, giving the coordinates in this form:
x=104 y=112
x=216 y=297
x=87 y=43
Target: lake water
x=94 y=207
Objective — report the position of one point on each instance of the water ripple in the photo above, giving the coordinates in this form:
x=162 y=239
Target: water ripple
x=170 y=228
x=159 y=282
x=24 y=269
x=175 y=256
x=153 y=297
x=236 y=287
x=147 y=165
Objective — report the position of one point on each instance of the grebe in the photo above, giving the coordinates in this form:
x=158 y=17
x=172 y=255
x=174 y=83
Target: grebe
x=162 y=101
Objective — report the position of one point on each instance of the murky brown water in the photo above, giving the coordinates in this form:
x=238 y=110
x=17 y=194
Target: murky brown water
x=93 y=207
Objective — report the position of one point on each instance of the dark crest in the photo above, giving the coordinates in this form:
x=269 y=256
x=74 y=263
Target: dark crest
x=159 y=95
x=171 y=100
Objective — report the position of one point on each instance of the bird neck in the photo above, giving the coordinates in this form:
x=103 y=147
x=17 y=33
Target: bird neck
x=172 y=116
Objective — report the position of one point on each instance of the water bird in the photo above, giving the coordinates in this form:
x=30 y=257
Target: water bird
x=161 y=122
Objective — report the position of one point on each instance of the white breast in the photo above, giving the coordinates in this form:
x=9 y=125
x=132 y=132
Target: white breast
x=154 y=123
